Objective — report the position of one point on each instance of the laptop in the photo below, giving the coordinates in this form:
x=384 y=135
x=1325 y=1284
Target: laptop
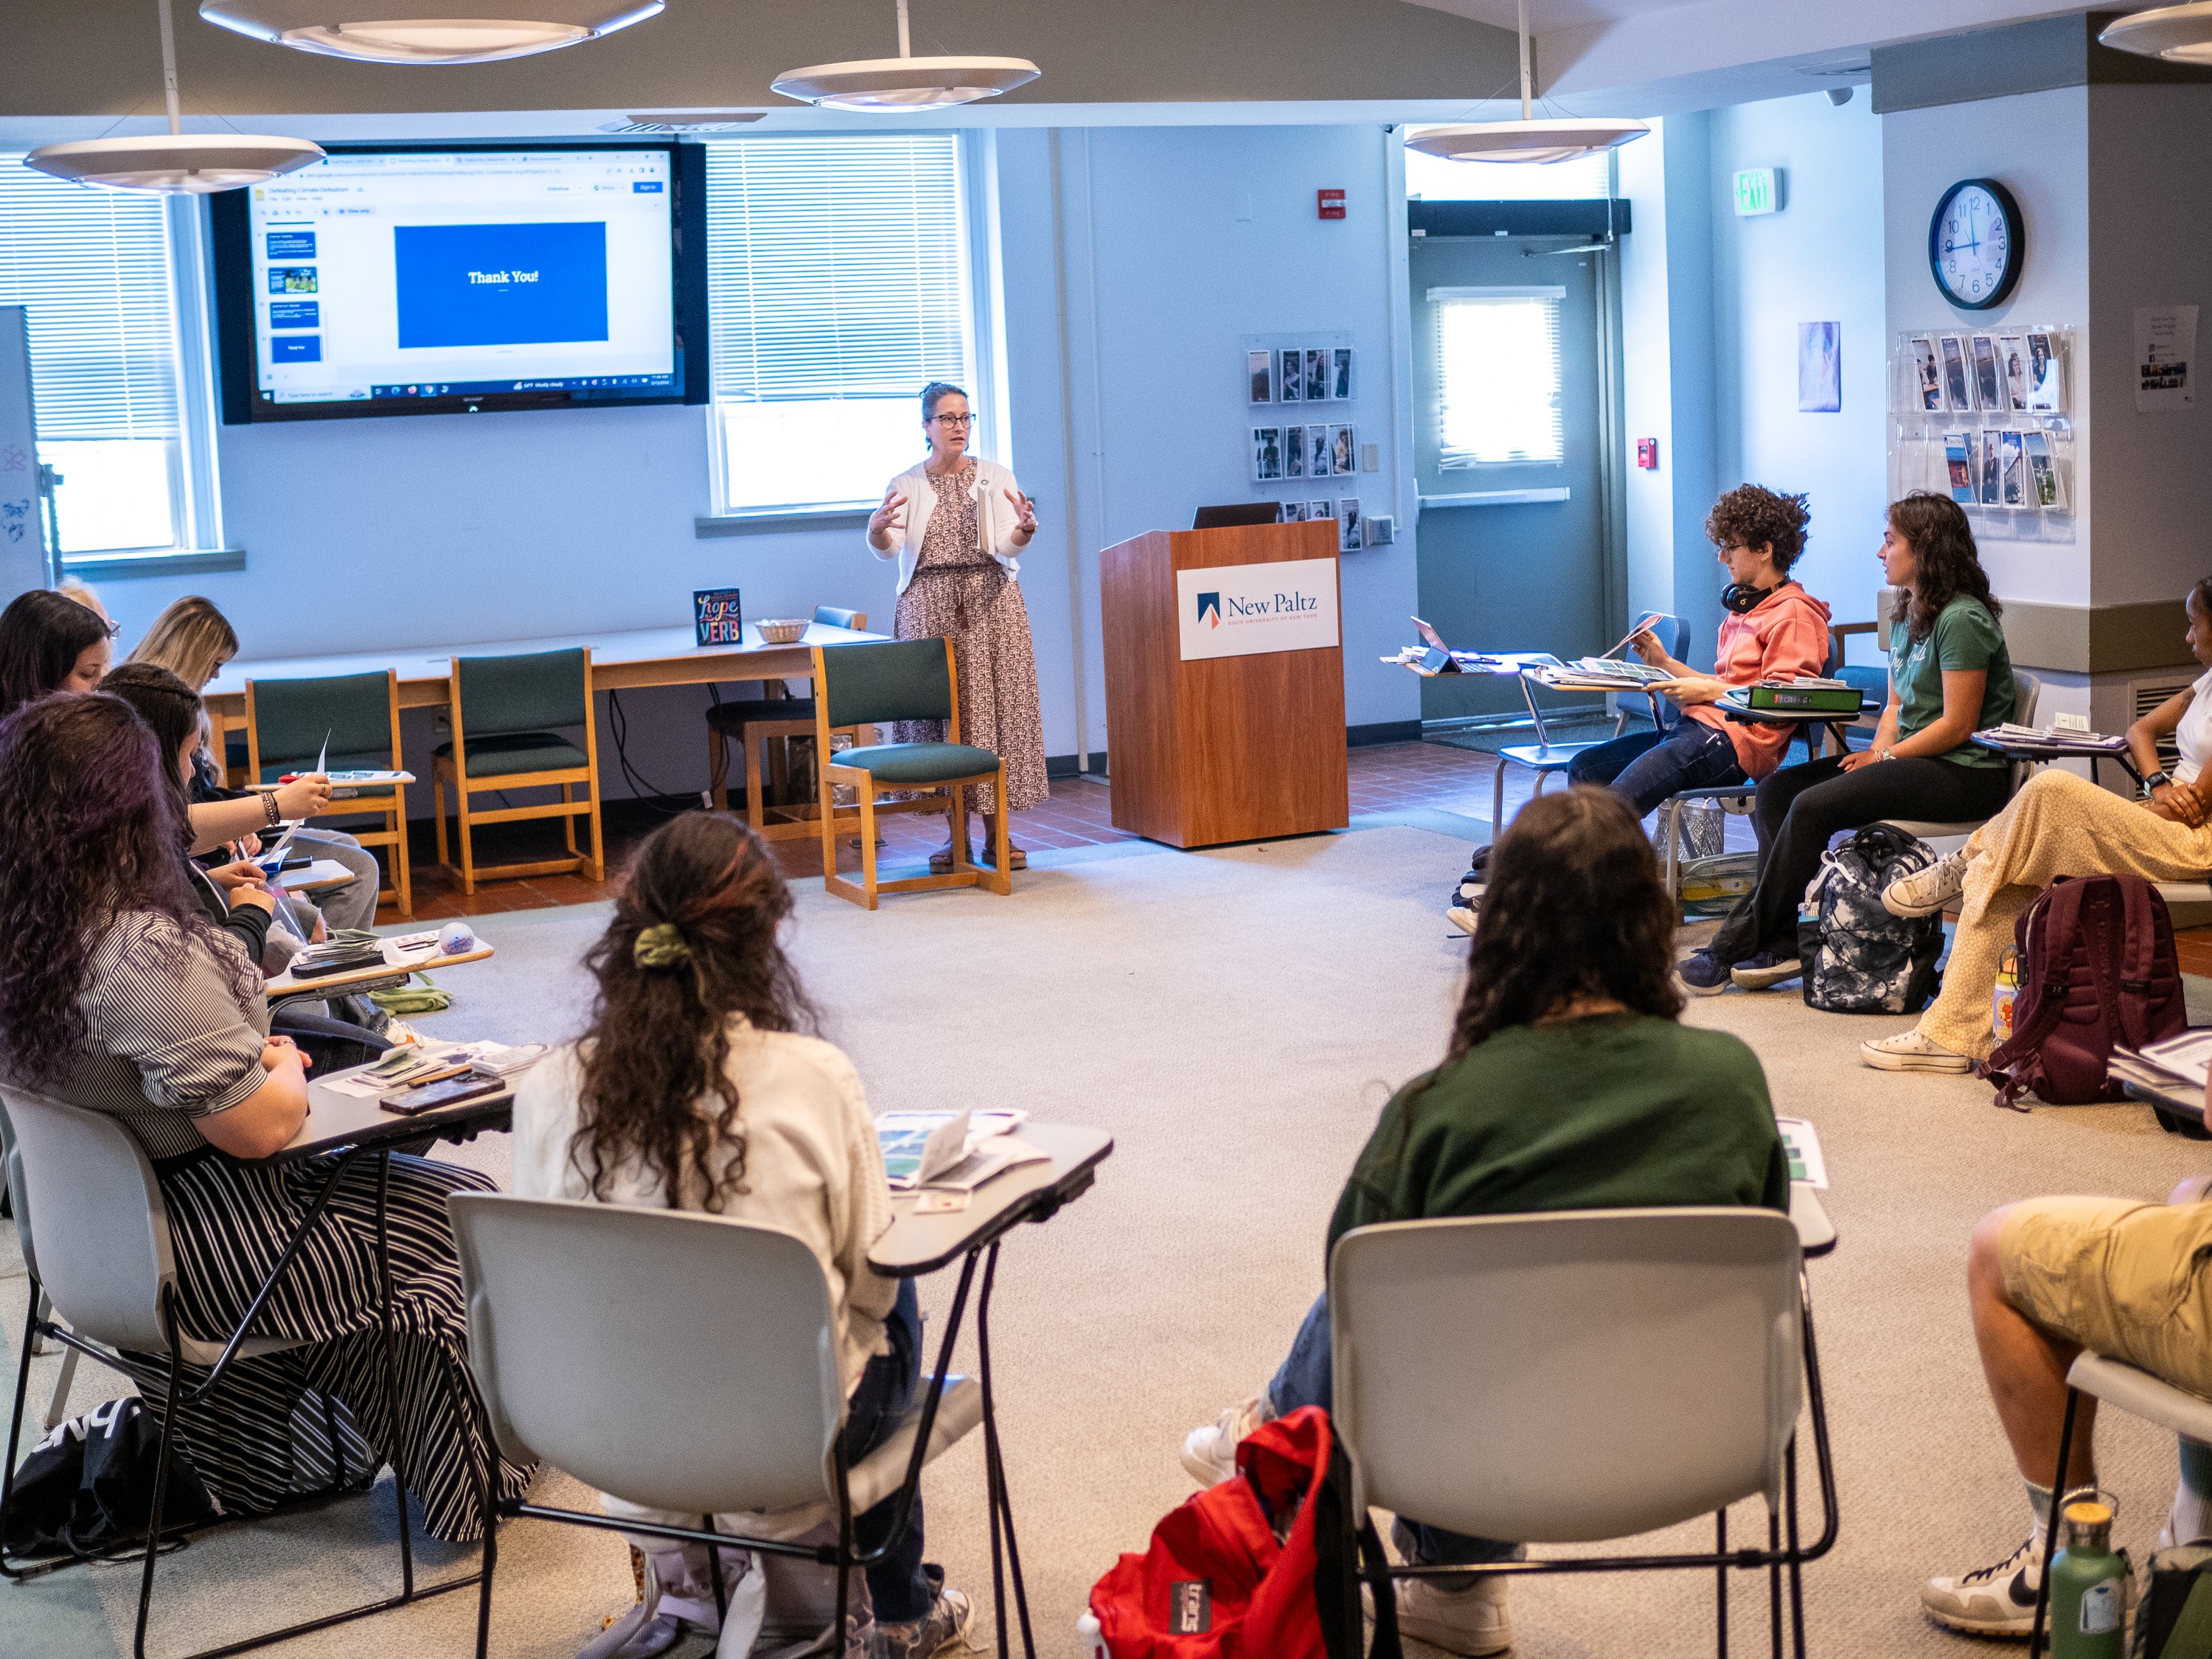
x=1236 y=513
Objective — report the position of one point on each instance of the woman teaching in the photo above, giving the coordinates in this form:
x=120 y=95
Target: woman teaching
x=955 y=523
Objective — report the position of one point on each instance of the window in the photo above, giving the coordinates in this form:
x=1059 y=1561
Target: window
x=97 y=270
x=838 y=278
x=1497 y=376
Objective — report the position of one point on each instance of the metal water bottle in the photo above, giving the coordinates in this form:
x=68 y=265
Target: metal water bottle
x=2007 y=993
x=2088 y=1585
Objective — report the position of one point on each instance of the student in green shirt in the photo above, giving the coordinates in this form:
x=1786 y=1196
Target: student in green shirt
x=1949 y=677
x=1568 y=1085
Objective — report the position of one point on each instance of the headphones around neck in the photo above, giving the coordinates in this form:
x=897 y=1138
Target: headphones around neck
x=1740 y=597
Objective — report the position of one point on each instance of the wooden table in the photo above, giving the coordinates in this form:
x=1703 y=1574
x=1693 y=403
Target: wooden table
x=651 y=656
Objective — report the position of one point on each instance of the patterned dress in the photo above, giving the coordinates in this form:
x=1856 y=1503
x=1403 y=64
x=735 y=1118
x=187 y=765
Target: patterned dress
x=967 y=596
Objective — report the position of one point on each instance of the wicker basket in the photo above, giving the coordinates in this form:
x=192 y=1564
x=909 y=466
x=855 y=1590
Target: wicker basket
x=783 y=632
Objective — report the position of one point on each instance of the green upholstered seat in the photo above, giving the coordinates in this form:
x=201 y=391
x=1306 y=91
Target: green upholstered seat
x=729 y=717
x=522 y=694
x=898 y=680
x=294 y=720
x=919 y=763
x=512 y=752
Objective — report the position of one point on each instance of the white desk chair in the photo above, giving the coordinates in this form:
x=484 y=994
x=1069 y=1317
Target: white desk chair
x=1949 y=838
x=95 y=1236
x=2138 y=1394
x=1480 y=1363
x=717 y=1393
x=42 y=1306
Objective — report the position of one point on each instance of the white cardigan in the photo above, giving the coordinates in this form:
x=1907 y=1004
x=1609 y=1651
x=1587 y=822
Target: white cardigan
x=995 y=517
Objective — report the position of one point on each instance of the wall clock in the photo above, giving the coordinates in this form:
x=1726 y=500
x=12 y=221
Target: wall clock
x=1976 y=244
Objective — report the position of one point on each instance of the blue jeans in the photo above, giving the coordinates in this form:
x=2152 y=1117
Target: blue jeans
x=900 y=1591
x=1646 y=768
x=1304 y=1380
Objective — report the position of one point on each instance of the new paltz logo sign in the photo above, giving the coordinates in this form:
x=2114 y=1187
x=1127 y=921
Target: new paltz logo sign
x=1245 y=610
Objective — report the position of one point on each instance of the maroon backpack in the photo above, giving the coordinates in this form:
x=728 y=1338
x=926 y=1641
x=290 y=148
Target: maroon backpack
x=2097 y=968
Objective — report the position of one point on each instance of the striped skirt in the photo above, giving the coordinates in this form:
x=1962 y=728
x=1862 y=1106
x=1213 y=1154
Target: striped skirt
x=304 y=1420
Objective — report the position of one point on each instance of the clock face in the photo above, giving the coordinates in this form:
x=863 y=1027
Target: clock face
x=1974 y=244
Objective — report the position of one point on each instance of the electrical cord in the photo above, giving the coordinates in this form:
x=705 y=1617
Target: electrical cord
x=640 y=786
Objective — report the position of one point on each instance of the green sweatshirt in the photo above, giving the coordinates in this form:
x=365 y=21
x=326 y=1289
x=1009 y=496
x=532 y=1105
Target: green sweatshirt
x=1614 y=1112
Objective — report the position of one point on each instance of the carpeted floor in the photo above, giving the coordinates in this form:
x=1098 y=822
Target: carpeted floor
x=1236 y=1018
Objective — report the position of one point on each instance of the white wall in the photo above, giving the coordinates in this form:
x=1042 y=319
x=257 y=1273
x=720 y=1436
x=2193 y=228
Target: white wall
x=1820 y=259
x=398 y=533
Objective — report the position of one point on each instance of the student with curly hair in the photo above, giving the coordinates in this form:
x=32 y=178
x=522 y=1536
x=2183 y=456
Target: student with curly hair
x=1568 y=1084
x=697 y=1085
x=1950 y=676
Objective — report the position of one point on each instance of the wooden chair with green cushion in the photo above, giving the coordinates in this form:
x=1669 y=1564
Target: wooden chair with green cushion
x=355 y=718
x=507 y=712
x=901 y=680
x=756 y=723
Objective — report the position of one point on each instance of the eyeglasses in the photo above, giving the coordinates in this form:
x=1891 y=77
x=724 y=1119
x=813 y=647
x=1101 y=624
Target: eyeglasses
x=954 y=420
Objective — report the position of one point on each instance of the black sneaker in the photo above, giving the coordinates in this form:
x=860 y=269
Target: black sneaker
x=1703 y=974
x=1465 y=909
x=1767 y=970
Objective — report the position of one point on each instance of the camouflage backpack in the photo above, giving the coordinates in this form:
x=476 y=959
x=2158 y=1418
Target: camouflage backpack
x=1860 y=959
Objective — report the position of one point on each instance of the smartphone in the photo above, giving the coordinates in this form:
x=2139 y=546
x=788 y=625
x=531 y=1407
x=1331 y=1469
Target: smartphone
x=408 y=1101
x=342 y=961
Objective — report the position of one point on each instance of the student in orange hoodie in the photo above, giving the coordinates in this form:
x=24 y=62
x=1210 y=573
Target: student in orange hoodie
x=1775 y=631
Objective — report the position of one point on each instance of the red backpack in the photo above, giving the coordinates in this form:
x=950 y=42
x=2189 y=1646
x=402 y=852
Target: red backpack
x=1263 y=1566
x=2097 y=968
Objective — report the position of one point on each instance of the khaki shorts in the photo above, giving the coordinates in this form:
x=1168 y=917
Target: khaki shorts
x=2123 y=1278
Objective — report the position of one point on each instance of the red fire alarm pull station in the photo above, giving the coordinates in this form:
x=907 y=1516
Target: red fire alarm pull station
x=1330 y=204
x=1647 y=454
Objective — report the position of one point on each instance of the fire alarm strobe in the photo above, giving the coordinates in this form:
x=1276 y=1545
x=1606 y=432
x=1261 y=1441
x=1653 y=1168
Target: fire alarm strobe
x=1330 y=204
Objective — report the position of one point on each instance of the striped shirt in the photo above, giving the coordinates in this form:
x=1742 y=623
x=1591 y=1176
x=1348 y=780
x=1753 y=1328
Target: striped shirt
x=171 y=1039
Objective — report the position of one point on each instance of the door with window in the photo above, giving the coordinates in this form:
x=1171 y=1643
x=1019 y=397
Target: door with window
x=1510 y=450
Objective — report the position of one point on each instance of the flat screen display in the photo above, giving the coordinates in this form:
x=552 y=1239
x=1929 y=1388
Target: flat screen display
x=425 y=280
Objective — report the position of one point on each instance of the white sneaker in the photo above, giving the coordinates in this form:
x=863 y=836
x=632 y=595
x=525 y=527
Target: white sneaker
x=1473 y=1621
x=1994 y=1601
x=1909 y=1051
x=1210 y=1453
x=399 y=1034
x=1923 y=892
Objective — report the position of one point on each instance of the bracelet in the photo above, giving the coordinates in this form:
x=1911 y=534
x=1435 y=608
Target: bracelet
x=269 y=806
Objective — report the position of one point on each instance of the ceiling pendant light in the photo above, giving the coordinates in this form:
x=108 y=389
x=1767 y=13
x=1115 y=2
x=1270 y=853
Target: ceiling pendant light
x=178 y=162
x=495 y=29
x=1526 y=140
x=905 y=81
x=2182 y=35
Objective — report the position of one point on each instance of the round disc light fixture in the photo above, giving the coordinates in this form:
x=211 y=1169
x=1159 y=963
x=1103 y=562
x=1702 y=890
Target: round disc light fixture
x=493 y=30
x=904 y=81
x=2181 y=34
x=895 y=83
x=1525 y=141
x=180 y=163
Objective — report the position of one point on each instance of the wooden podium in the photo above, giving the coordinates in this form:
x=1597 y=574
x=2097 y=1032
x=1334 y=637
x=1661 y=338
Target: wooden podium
x=1204 y=749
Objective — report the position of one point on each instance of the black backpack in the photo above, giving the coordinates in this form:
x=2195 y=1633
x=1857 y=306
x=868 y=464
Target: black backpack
x=1860 y=959
x=87 y=1488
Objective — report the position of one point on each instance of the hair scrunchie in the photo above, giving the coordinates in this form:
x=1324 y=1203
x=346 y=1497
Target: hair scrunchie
x=660 y=947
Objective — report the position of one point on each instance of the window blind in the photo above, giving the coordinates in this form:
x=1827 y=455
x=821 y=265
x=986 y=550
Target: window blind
x=836 y=266
x=1497 y=376
x=92 y=267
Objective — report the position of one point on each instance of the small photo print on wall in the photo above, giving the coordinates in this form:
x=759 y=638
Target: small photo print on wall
x=1990 y=487
x=1266 y=453
x=1341 y=390
x=1294 y=452
x=1343 y=462
x=1959 y=463
x=1317 y=375
x=1316 y=511
x=1317 y=465
x=1927 y=376
x=1347 y=523
x=1958 y=396
x=1819 y=367
x=1292 y=383
x=2043 y=469
x=2012 y=468
x=1260 y=369
x=1294 y=511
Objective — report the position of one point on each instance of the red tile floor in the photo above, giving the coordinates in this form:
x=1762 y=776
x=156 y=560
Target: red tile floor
x=1388 y=777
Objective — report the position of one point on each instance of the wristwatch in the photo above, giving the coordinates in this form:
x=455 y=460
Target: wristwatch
x=2153 y=782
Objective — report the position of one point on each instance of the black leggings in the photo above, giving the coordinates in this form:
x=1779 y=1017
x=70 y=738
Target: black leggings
x=1801 y=807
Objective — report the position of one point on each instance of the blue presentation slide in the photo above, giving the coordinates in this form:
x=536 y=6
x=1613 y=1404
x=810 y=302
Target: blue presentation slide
x=295 y=313
x=291 y=244
x=296 y=348
x=472 y=285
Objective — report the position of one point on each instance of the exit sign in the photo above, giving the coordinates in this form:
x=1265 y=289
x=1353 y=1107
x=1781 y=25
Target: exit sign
x=1758 y=190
